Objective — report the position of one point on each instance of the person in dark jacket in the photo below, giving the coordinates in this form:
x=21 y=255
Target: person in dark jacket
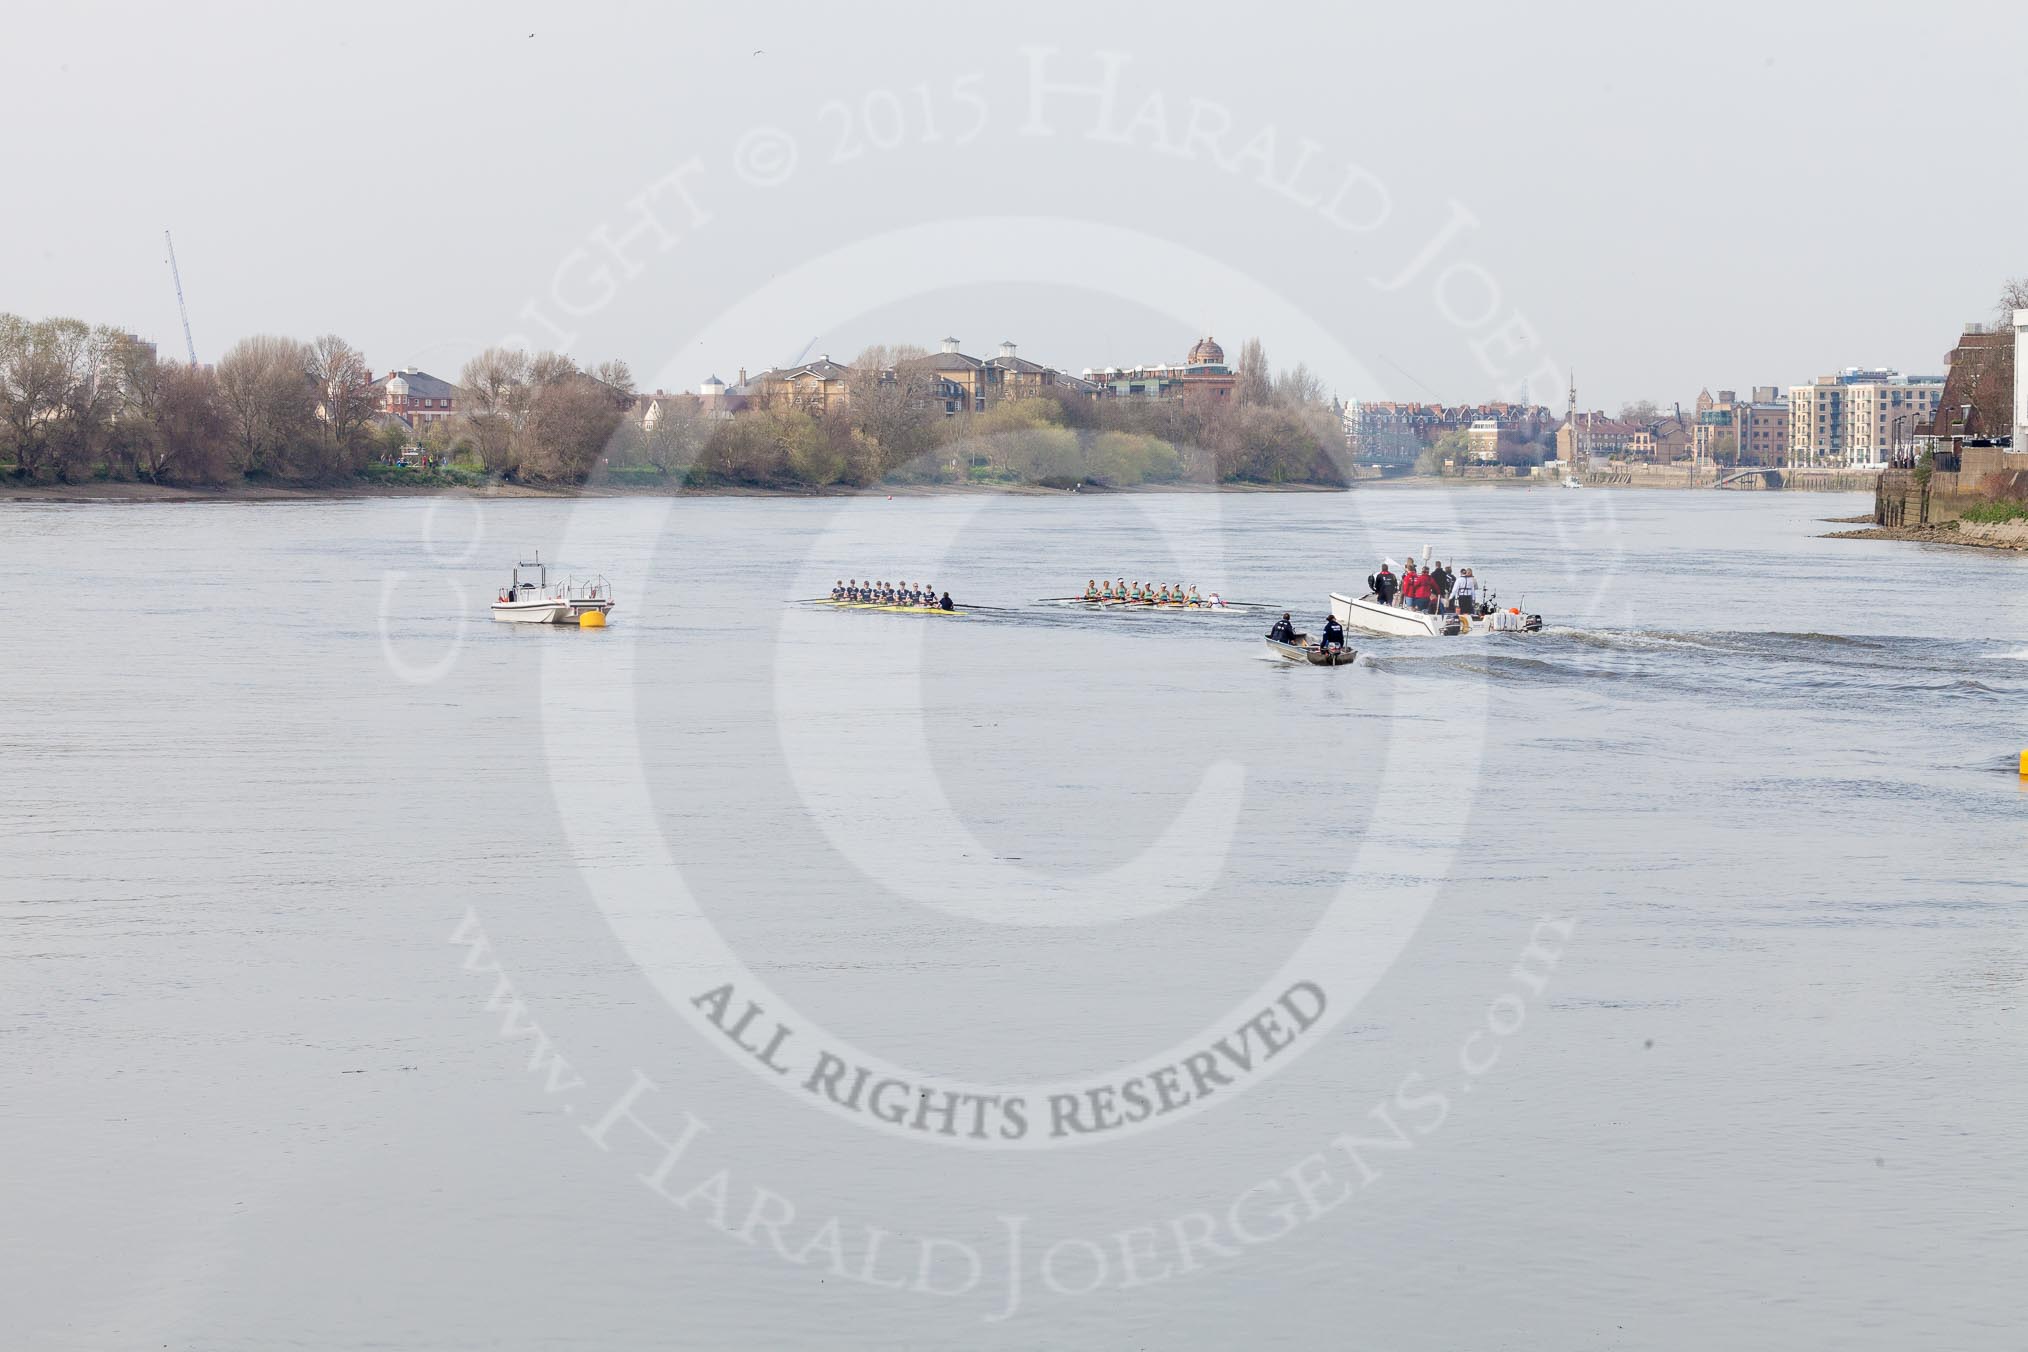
x=1284 y=631
x=1385 y=585
x=945 y=604
x=1334 y=633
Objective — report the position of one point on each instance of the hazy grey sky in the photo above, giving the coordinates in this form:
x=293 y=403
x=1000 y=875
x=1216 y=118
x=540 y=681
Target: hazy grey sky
x=1662 y=197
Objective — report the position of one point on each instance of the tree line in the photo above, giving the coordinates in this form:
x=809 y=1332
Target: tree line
x=79 y=402
x=893 y=428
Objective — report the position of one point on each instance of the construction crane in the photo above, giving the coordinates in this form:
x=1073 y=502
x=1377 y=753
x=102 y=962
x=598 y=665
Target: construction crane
x=189 y=343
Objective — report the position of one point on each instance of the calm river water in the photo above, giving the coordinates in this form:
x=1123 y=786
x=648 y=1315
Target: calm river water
x=1673 y=962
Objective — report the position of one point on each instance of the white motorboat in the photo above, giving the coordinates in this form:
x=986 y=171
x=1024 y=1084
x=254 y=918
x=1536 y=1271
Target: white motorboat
x=540 y=601
x=1368 y=612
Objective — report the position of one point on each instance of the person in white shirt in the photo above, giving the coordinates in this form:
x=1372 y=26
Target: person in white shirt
x=1466 y=593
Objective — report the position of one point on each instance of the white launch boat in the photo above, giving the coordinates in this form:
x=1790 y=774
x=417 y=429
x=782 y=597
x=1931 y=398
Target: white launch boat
x=1369 y=613
x=540 y=601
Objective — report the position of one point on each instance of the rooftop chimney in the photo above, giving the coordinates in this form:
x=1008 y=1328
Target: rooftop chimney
x=742 y=375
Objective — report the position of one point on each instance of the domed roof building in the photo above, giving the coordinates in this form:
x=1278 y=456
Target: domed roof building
x=1206 y=353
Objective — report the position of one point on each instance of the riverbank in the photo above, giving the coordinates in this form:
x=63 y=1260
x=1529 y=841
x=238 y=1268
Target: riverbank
x=107 y=491
x=2011 y=535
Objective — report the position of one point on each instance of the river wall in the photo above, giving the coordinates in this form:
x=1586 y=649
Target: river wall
x=1615 y=474
x=1618 y=475
x=1984 y=474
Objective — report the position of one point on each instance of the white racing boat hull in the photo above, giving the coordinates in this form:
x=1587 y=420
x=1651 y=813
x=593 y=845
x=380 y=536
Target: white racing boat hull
x=1365 y=613
x=546 y=610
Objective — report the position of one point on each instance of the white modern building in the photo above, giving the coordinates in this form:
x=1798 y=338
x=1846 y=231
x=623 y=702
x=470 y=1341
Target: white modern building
x=1859 y=417
x=2021 y=380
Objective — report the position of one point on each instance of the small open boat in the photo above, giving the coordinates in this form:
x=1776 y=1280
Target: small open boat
x=1302 y=650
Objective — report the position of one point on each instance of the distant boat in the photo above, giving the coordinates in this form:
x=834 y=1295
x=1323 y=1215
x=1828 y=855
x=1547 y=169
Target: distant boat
x=540 y=601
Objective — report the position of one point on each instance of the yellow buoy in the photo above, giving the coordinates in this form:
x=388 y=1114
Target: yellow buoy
x=592 y=619
x=2024 y=765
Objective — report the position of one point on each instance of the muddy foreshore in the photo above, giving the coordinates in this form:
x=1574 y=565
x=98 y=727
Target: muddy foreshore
x=1967 y=534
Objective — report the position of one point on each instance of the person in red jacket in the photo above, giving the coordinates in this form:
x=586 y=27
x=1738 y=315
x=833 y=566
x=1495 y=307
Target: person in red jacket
x=1414 y=586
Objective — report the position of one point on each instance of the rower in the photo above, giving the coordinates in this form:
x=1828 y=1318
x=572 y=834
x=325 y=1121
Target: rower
x=1284 y=630
x=1163 y=598
x=945 y=604
x=1334 y=634
x=1195 y=599
x=1091 y=589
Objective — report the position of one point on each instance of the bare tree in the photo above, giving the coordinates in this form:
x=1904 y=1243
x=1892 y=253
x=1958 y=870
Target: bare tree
x=1298 y=388
x=569 y=427
x=494 y=388
x=36 y=378
x=269 y=399
x=615 y=373
x=895 y=409
x=2013 y=296
x=1640 y=411
x=1255 y=380
x=677 y=439
x=346 y=393
x=550 y=368
x=190 y=437
x=886 y=357
x=87 y=358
